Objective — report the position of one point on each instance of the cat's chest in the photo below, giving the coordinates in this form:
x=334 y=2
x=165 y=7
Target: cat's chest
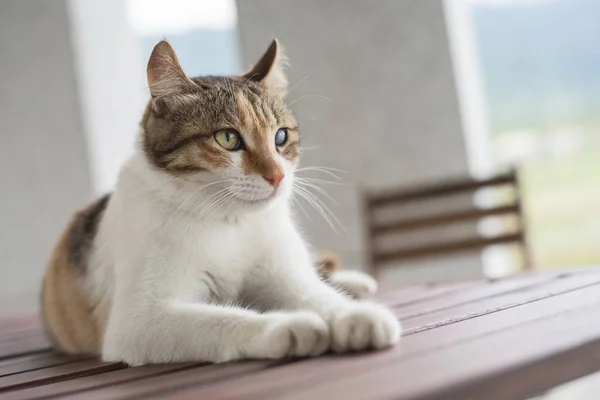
x=221 y=258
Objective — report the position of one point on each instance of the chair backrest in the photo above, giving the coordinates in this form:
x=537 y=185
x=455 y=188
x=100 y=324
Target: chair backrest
x=377 y=229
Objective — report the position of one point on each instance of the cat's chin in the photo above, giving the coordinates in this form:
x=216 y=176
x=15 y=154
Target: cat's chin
x=259 y=204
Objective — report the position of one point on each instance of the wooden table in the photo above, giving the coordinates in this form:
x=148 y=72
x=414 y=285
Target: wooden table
x=504 y=339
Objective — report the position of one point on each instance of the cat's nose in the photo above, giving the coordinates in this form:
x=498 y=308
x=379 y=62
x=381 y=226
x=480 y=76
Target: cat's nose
x=274 y=177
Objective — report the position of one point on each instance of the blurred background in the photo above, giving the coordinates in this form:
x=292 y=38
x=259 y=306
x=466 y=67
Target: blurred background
x=427 y=100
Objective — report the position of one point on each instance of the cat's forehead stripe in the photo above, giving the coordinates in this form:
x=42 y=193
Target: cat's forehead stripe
x=255 y=106
x=179 y=128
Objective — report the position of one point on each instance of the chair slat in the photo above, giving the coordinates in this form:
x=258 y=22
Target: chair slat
x=394 y=197
x=458 y=216
x=449 y=247
x=376 y=228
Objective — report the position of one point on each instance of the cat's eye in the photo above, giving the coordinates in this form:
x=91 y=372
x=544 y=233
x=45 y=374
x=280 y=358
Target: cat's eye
x=281 y=137
x=229 y=139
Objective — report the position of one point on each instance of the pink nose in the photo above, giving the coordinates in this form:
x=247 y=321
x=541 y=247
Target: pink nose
x=275 y=177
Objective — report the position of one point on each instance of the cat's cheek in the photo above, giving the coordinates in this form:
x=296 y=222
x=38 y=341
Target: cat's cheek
x=235 y=165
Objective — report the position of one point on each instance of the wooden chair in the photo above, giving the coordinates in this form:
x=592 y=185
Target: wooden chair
x=376 y=230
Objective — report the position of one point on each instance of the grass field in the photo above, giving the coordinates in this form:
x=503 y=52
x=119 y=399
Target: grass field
x=562 y=202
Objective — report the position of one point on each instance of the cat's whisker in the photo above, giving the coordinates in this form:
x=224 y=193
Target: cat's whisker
x=223 y=204
x=213 y=207
x=180 y=206
x=305 y=148
x=298 y=83
x=209 y=211
x=318 y=208
x=327 y=209
x=193 y=194
x=322 y=170
x=199 y=211
x=296 y=201
x=321 y=207
x=318 y=96
x=319 y=180
x=227 y=203
x=300 y=181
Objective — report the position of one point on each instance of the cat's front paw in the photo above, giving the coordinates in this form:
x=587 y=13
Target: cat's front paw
x=298 y=334
x=364 y=326
x=355 y=283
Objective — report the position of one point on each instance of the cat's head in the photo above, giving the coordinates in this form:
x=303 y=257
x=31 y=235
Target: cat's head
x=232 y=135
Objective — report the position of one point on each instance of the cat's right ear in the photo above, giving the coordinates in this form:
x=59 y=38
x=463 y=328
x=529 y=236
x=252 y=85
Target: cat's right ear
x=165 y=75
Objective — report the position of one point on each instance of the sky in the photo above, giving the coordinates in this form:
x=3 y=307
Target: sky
x=152 y=17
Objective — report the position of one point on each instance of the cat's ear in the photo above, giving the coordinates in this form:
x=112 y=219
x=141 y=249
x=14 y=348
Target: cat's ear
x=165 y=75
x=270 y=69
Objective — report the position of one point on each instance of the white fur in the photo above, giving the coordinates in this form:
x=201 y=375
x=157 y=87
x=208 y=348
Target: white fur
x=355 y=283
x=189 y=280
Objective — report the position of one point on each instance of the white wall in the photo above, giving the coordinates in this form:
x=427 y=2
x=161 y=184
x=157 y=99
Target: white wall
x=72 y=92
x=112 y=86
x=44 y=172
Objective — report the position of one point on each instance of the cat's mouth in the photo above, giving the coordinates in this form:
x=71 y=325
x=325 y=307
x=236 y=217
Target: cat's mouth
x=260 y=200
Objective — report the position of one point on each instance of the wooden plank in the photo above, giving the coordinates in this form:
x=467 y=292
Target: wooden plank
x=162 y=385
x=12 y=325
x=400 y=196
x=475 y=293
x=33 y=344
x=441 y=219
x=330 y=371
x=391 y=293
x=55 y=374
x=431 y=320
x=400 y=299
x=20 y=335
x=453 y=334
x=449 y=247
x=569 y=292
x=32 y=362
x=99 y=381
x=508 y=364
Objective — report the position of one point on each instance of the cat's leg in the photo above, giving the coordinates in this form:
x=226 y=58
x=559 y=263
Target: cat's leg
x=289 y=281
x=353 y=325
x=355 y=283
x=174 y=331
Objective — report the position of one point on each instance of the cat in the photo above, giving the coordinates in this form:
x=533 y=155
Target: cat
x=354 y=283
x=196 y=255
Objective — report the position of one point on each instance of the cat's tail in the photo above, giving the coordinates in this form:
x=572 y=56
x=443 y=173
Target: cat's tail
x=354 y=283
x=327 y=262
x=66 y=310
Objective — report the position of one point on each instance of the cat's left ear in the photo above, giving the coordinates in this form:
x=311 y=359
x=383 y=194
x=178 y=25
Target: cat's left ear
x=164 y=73
x=270 y=69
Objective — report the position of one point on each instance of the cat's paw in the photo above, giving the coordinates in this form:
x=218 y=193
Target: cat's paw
x=298 y=334
x=364 y=326
x=357 y=284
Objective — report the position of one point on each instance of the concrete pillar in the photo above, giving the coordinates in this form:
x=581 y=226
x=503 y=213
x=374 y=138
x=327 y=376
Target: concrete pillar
x=373 y=88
